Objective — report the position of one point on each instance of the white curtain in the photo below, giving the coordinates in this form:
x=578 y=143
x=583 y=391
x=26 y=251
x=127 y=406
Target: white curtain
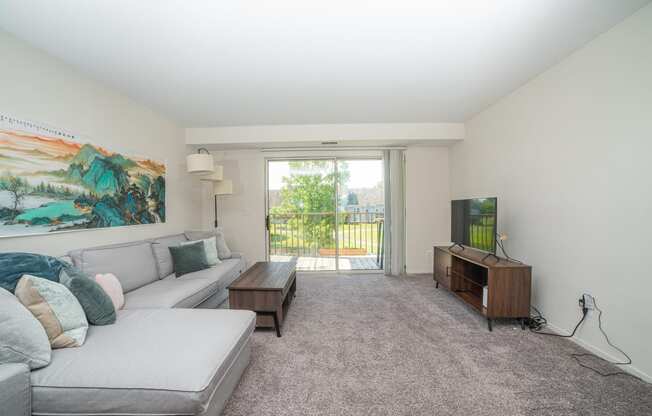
x=394 y=239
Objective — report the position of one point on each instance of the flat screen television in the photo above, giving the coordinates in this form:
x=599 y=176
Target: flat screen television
x=473 y=223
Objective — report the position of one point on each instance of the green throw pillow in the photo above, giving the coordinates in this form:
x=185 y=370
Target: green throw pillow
x=97 y=305
x=189 y=258
x=210 y=246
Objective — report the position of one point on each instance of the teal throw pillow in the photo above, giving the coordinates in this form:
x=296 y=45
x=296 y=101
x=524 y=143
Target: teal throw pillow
x=189 y=258
x=97 y=305
x=210 y=246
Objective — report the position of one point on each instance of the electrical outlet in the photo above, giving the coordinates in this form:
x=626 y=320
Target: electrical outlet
x=586 y=302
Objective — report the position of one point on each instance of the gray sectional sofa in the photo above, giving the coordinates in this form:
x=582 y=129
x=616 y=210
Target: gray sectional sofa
x=169 y=353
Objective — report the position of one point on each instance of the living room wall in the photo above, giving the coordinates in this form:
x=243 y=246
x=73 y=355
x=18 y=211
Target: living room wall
x=427 y=205
x=242 y=215
x=38 y=87
x=568 y=156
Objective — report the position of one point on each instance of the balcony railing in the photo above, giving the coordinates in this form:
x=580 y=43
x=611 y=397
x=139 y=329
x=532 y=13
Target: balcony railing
x=314 y=234
x=482 y=231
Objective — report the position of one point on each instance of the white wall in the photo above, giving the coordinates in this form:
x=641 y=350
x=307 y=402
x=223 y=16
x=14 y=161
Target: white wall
x=241 y=215
x=37 y=87
x=569 y=157
x=427 y=205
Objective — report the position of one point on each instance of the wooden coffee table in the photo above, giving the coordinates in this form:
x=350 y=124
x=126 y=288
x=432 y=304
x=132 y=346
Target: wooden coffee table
x=266 y=288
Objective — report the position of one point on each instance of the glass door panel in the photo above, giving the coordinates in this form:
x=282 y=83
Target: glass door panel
x=301 y=206
x=361 y=209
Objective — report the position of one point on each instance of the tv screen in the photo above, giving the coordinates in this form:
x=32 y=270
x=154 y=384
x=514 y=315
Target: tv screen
x=473 y=223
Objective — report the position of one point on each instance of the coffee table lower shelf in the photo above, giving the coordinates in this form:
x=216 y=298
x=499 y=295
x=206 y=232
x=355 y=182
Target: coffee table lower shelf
x=266 y=289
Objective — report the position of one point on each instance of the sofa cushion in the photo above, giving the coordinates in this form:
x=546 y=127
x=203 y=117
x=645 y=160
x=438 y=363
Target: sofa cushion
x=170 y=293
x=132 y=263
x=162 y=253
x=143 y=369
x=22 y=337
x=187 y=291
x=222 y=274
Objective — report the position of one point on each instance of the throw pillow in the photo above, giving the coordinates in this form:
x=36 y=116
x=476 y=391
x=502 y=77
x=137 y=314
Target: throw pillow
x=223 y=250
x=56 y=308
x=97 y=305
x=113 y=288
x=210 y=245
x=14 y=265
x=189 y=258
x=22 y=338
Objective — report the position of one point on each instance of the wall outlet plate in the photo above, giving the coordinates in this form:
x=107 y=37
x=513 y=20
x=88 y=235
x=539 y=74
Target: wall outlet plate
x=586 y=301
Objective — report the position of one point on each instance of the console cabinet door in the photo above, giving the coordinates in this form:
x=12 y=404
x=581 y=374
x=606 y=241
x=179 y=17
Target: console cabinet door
x=442 y=266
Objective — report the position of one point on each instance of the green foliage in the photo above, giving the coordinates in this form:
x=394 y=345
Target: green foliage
x=487 y=206
x=157 y=194
x=62 y=192
x=18 y=188
x=308 y=197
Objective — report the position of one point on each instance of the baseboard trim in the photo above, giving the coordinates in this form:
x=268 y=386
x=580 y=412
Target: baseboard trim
x=602 y=354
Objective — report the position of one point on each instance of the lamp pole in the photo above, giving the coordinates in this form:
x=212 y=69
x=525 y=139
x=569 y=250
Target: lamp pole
x=215 y=196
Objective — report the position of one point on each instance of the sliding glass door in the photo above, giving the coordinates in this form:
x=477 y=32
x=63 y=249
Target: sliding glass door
x=360 y=214
x=327 y=214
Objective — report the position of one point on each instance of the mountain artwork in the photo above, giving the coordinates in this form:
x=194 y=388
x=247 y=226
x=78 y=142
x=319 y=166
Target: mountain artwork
x=51 y=182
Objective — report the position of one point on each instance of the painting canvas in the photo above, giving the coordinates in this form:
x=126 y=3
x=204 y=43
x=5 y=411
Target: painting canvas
x=53 y=181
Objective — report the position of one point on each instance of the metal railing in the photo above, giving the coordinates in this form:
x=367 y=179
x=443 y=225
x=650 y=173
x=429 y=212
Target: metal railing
x=313 y=234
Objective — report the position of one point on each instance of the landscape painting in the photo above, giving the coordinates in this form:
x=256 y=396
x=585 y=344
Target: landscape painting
x=51 y=181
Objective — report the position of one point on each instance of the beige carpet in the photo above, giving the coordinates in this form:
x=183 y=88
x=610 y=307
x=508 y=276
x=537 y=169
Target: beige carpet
x=374 y=345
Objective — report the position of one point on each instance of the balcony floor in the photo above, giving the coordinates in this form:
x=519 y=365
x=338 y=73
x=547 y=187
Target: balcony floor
x=313 y=264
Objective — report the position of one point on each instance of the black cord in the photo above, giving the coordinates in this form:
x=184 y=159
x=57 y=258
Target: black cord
x=628 y=360
x=538 y=322
x=499 y=242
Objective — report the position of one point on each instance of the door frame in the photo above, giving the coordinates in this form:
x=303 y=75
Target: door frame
x=335 y=160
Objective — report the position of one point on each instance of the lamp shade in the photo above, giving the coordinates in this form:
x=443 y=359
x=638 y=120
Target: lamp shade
x=217 y=175
x=224 y=187
x=199 y=163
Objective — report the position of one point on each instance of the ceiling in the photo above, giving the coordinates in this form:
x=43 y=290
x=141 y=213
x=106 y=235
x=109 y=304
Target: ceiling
x=219 y=63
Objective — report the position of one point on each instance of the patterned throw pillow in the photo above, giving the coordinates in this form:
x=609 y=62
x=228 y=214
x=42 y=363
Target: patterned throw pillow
x=56 y=308
x=113 y=288
x=210 y=246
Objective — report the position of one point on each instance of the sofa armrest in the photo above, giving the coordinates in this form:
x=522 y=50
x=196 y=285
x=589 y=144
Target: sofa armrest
x=236 y=255
x=15 y=390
